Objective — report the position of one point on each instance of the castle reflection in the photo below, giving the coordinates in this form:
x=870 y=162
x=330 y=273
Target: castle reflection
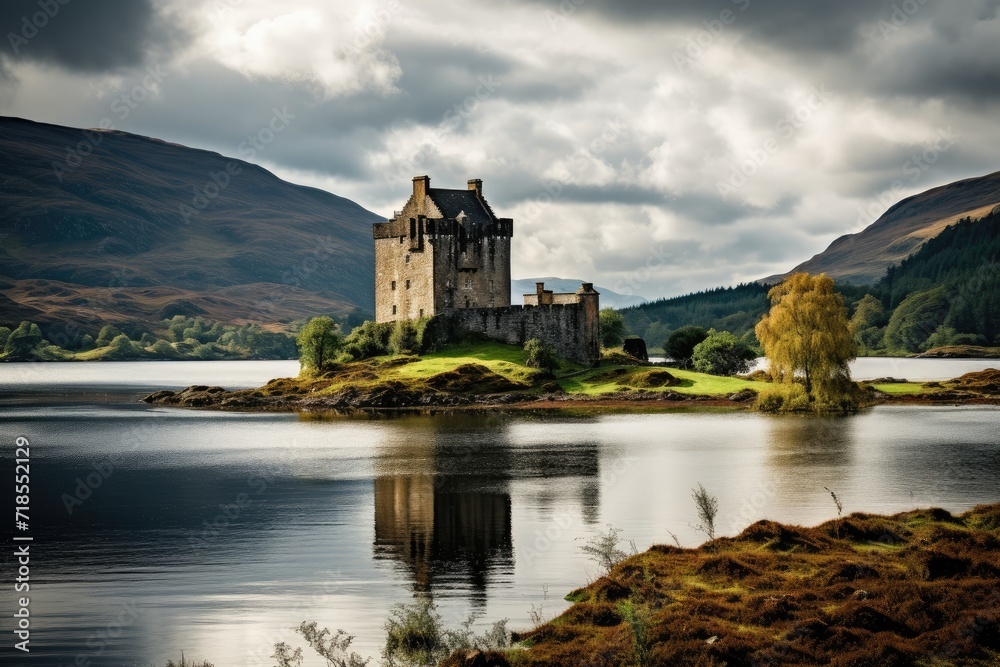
x=443 y=499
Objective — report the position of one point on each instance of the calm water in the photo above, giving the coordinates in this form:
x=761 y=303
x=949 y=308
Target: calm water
x=217 y=532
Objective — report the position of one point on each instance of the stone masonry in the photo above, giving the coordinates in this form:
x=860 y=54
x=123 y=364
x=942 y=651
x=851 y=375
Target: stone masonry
x=447 y=254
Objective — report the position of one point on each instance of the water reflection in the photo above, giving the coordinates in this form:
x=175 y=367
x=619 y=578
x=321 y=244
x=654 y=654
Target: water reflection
x=810 y=440
x=443 y=497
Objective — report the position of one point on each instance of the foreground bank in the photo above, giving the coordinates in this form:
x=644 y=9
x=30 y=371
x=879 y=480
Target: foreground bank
x=919 y=588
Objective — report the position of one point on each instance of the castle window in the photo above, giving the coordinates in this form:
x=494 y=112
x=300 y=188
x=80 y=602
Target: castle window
x=393 y=284
x=400 y=239
x=407 y=258
x=421 y=312
x=491 y=285
x=407 y=283
x=468 y=283
x=393 y=309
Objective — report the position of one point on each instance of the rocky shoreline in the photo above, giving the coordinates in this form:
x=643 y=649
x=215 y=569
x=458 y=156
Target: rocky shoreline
x=395 y=396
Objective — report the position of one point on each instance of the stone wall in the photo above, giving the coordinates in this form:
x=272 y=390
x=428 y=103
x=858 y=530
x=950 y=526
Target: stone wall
x=571 y=328
x=449 y=263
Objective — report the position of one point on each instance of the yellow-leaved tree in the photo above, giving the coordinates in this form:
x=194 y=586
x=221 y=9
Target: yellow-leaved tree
x=806 y=335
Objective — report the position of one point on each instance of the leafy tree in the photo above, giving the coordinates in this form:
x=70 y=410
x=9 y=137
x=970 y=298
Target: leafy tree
x=612 y=327
x=369 y=339
x=107 y=334
x=122 y=348
x=87 y=342
x=680 y=346
x=541 y=355
x=318 y=343
x=403 y=339
x=163 y=349
x=722 y=353
x=806 y=332
x=867 y=322
x=24 y=342
x=916 y=319
x=4 y=335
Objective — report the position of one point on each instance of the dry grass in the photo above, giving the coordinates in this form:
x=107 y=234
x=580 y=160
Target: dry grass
x=920 y=588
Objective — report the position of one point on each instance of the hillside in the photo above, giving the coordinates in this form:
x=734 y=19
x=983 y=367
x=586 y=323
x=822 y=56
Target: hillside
x=609 y=298
x=106 y=226
x=946 y=294
x=862 y=258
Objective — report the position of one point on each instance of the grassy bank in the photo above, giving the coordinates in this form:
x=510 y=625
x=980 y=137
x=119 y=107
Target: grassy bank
x=489 y=367
x=920 y=588
x=489 y=374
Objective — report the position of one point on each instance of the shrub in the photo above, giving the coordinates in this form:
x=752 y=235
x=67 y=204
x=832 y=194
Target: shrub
x=541 y=355
x=680 y=346
x=108 y=333
x=603 y=549
x=708 y=507
x=24 y=343
x=612 y=327
x=722 y=353
x=403 y=339
x=184 y=662
x=789 y=397
x=331 y=647
x=122 y=349
x=163 y=349
x=369 y=339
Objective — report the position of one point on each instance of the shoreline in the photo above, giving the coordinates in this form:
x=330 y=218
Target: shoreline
x=860 y=589
x=348 y=402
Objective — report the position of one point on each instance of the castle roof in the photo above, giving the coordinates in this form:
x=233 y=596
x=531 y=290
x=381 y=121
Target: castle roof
x=453 y=203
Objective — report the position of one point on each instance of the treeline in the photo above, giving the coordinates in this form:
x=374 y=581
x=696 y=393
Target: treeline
x=735 y=309
x=180 y=338
x=947 y=293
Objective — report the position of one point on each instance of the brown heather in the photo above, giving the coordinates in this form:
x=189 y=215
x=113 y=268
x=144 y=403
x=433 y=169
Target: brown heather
x=920 y=588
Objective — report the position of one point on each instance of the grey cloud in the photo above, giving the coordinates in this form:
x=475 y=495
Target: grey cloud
x=810 y=26
x=83 y=36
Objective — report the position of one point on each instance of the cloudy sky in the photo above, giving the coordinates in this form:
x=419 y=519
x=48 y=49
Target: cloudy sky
x=652 y=147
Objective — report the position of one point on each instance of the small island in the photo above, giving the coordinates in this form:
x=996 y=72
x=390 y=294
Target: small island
x=489 y=375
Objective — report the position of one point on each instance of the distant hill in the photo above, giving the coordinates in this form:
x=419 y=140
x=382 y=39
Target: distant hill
x=609 y=298
x=863 y=258
x=106 y=226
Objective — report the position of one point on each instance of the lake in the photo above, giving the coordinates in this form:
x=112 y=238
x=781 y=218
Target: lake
x=158 y=530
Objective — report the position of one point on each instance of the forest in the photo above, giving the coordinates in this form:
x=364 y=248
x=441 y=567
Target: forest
x=947 y=293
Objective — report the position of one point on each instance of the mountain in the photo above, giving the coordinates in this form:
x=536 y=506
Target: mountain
x=518 y=288
x=863 y=258
x=104 y=226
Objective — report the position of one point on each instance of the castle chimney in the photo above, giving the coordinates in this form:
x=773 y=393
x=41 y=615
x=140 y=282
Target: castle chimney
x=539 y=289
x=421 y=184
x=477 y=185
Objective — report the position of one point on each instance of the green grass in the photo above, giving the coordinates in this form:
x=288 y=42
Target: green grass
x=597 y=381
x=903 y=388
x=506 y=360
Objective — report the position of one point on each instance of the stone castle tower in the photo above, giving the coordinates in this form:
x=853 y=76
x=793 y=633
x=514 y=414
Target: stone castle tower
x=445 y=250
x=446 y=254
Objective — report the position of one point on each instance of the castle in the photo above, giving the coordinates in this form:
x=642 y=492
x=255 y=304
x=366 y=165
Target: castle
x=446 y=254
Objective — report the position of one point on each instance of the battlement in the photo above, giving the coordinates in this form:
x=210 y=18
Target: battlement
x=446 y=253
